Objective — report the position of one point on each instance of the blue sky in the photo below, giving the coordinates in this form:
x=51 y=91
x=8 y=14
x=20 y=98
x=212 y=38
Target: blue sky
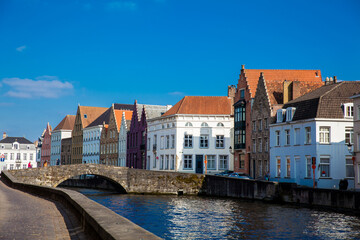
x=56 y=54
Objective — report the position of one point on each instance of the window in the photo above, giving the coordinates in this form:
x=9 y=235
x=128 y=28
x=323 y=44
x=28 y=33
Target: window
x=324 y=166
x=18 y=156
x=266 y=123
x=349 y=167
x=6 y=156
x=348 y=110
x=167 y=143
x=211 y=162
x=260 y=124
x=297 y=136
x=223 y=161
x=24 y=166
x=154 y=162
x=278 y=167
x=204 y=141
x=308 y=166
x=161 y=162
x=358 y=112
x=166 y=162
x=308 y=135
x=148 y=144
x=288 y=166
x=242 y=93
x=280 y=115
x=324 y=134
x=266 y=142
x=260 y=144
x=162 y=143
x=220 y=124
x=11 y=166
x=349 y=138
x=172 y=162
x=187 y=161
x=24 y=156
x=85 y=116
x=16 y=146
x=277 y=138
x=188 y=124
x=220 y=141
x=204 y=124
x=254 y=145
x=287 y=137
x=254 y=126
x=290 y=111
x=172 y=141
x=241 y=161
x=188 y=141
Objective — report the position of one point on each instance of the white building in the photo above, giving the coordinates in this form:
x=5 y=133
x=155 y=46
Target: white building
x=318 y=124
x=356 y=148
x=16 y=153
x=62 y=130
x=124 y=128
x=193 y=137
x=91 y=143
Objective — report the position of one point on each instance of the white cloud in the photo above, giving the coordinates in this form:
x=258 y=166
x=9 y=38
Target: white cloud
x=176 y=93
x=42 y=87
x=121 y=5
x=21 y=48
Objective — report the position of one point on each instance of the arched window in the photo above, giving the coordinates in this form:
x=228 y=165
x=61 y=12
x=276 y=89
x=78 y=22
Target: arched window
x=204 y=124
x=188 y=124
x=220 y=124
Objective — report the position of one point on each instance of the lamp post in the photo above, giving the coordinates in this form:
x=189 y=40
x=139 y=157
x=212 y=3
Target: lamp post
x=349 y=146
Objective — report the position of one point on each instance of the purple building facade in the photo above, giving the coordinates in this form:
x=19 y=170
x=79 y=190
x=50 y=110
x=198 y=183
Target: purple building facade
x=137 y=135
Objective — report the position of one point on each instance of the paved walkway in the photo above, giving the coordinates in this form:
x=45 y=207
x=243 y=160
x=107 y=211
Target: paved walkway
x=24 y=216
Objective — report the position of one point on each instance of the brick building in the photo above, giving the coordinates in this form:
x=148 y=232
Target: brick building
x=66 y=151
x=109 y=141
x=137 y=135
x=274 y=89
x=243 y=101
x=46 y=147
x=84 y=117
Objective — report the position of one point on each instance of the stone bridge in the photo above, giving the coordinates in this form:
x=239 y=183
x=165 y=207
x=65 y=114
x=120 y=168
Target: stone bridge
x=130 y=179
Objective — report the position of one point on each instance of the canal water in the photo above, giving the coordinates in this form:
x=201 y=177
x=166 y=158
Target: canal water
x=193 y=217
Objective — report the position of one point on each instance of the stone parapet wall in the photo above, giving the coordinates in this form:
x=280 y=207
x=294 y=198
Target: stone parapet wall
x=97 y=220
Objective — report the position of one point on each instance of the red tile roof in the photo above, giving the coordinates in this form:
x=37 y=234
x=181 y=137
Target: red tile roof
x=67 y=123
x=252 y=77
x=201 y=105
x=118 y=116
x=89 y=114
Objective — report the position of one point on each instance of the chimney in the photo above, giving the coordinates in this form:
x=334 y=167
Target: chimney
x=287 y=91
x=331 y=81
x=335 y=79
x=242 y=67
x=231 y=94
x=295 y=90
x=327 y=81
x=4 y=135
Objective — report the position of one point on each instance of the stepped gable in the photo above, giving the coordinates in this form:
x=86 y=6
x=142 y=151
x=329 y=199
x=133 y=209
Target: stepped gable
x=202 y=105
x=122 y=106
x=67 y=123
x=20 y=140
x=312 y=77
x=324 y=102
x=151 y=111
x=118 y=117
x=90 y=114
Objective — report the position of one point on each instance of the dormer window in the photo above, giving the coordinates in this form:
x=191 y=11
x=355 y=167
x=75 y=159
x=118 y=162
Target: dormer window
x=220 y=124
x=16 y=146
x=280 y=115
x=188 y=124
x=85 y=115
x=290 y=111
x=348 y=110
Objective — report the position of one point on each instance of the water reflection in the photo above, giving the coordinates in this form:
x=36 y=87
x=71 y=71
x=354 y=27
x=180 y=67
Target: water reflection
x=184 y=217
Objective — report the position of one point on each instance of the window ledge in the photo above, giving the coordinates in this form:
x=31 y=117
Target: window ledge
x=324 y=143
x=325 y=177
x=307 y=143
x=308 y=178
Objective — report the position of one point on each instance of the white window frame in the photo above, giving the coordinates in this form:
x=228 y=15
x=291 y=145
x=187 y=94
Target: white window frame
x=278 y=166
x=188 y=162
x=325 y=164
x=349 y=167
x=211 y=162
x=220 y=141
x=204 y=141
x=308 y=160
x=307 y=135
x=288 y=166
x=277 y=138
x=188 y=141
x=324 y=134
x=287 y=137
x=223 y=162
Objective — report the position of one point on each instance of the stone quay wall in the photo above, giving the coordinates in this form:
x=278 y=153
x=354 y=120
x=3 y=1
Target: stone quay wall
x=339 y=200
x=97 y=220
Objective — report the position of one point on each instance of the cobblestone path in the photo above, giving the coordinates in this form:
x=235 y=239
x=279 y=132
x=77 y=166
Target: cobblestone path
x=24 y=216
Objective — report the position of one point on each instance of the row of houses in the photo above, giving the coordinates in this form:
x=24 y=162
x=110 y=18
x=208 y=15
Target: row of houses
x=288 y=125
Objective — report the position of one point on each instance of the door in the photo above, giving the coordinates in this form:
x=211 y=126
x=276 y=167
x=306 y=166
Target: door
x=199 y=164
